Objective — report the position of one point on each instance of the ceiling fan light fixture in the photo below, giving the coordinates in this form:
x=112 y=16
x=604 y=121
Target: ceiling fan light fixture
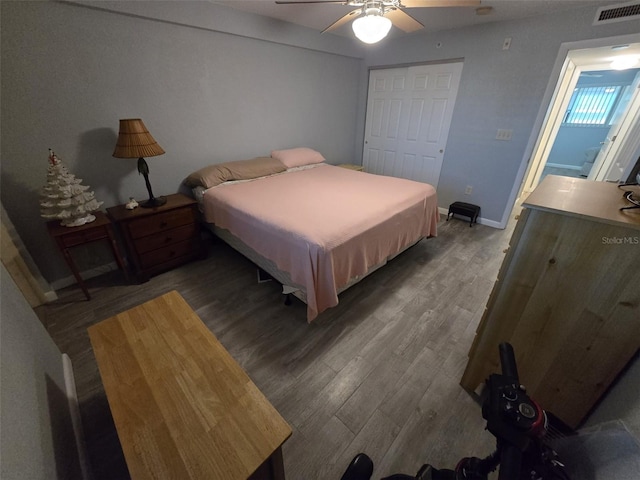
x=372 y=27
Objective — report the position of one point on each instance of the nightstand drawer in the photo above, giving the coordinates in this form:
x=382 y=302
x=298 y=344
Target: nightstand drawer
x=165 y=254
x=85 y=236
x=162 y=221
x=161 y=238
x=164 y=239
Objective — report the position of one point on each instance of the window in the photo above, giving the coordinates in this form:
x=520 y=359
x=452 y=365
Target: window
x=592 y=105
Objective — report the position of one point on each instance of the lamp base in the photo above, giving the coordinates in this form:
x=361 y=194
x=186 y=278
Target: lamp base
x=154 y=202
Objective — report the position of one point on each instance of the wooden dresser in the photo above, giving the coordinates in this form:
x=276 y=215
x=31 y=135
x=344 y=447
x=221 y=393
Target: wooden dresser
x=161 y=238
x=567 y=297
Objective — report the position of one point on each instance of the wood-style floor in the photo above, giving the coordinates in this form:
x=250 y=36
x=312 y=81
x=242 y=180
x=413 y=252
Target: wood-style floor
x=378 y=373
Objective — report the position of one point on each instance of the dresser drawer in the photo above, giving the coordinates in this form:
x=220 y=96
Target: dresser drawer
x=166 y=238
x=156 y=257
x=162 y=221
x=85 y=236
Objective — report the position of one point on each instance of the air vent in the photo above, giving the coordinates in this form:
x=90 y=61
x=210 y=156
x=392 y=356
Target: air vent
x=618 y=13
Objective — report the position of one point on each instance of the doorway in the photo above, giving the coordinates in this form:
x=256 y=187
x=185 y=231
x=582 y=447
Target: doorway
x=409 y=112
x=588 y=129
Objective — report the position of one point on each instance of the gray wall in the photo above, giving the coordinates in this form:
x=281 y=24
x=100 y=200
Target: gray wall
x=499 y=89
x=36 y=438
x=69 y=73
x=572 y=143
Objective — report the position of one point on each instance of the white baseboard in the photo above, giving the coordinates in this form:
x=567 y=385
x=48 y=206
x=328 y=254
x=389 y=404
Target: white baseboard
x=76 y=421
x=87 y=274
x=481 y=221
x=490 y=223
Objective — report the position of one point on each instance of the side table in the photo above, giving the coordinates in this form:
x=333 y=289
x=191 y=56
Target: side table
x=160 y=238
x=68 y=237
x=351 y=166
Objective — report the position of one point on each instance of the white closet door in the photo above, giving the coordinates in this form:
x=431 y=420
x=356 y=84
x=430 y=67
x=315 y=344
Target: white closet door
x=409 y=112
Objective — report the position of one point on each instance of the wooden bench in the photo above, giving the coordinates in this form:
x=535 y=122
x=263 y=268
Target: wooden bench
x=182 y=406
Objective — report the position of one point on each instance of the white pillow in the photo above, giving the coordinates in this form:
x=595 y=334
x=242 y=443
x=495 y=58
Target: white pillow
x=297 y=157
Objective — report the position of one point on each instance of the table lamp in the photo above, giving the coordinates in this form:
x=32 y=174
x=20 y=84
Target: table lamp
x=135 y=141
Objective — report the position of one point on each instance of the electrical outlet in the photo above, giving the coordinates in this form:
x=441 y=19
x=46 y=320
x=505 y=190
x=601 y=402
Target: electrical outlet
x=506 y=44
x=504 y=134
x=468 y=190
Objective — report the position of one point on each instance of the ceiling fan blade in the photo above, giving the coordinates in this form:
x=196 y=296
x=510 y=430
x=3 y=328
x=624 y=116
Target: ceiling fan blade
x=352 y=15
x=438 y=3
x=403 y=21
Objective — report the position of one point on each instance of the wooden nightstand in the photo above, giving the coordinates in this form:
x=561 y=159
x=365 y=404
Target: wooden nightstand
x=68 y=237
x=351 y=166
x=161 y=238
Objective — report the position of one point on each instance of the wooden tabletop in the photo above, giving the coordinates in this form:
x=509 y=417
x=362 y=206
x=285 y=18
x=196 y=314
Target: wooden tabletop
x=56 y=230
x=182 y=406
x=598 y=201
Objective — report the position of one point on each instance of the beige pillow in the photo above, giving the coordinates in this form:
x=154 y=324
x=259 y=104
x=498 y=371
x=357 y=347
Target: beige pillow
x=298 y=157
x=213 y=175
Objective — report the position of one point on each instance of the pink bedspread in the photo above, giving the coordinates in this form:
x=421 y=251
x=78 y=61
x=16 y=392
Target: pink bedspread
x=325 y=225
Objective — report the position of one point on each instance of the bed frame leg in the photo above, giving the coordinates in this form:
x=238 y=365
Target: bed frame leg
x=287 y=299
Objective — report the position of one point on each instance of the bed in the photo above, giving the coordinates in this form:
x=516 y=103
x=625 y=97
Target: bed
x=315 y=227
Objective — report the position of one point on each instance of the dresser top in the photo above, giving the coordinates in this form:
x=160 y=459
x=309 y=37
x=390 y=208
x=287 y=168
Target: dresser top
x=598 y=201
x=120 y=213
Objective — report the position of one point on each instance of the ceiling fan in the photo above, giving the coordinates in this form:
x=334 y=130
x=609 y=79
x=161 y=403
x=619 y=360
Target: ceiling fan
x=373 y=18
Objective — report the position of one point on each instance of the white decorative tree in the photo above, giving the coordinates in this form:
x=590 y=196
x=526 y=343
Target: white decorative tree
x=64 y=197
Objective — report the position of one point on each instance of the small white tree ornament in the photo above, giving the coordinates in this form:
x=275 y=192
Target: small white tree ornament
x=64 y=198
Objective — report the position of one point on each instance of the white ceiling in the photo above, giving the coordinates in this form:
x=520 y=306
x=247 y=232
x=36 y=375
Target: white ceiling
x=318 y=16
x=601 y=57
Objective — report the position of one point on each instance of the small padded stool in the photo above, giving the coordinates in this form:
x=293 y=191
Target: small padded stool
x=467 y=209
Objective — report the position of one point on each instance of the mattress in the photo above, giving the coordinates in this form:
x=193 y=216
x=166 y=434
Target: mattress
x=324 y=226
